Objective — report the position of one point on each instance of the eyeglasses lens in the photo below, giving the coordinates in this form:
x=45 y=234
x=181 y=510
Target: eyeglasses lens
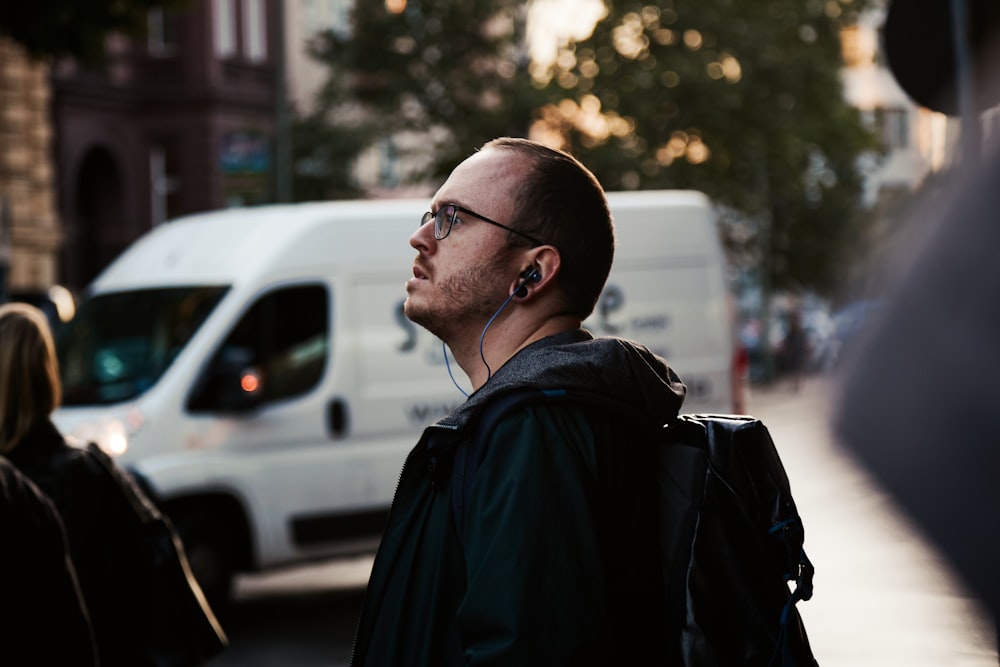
x=443 y=220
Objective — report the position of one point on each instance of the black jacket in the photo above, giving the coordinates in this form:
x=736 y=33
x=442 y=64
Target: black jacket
x=558 y=562
x=43 y=620
x=98 y=504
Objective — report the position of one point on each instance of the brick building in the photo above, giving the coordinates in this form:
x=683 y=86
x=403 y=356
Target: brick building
x=178 y=122
x=30 y=231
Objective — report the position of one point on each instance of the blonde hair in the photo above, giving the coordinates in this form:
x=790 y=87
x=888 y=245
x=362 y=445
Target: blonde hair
x=29 y=372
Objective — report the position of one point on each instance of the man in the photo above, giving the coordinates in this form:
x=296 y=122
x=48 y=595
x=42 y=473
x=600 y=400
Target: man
x=557 y=561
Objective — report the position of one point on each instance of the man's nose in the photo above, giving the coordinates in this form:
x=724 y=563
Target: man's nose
x=423 y=238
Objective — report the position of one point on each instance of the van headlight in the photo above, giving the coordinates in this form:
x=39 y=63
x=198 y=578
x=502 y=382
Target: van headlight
x=112 y=435
x=115 y=438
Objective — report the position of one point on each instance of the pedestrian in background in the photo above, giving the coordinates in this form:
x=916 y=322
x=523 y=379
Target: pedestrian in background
x=121 y=546
x=555 y=561
x=795 y=350
x=38 y=587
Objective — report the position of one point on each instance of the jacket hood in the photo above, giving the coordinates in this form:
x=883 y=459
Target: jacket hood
x=620 y=369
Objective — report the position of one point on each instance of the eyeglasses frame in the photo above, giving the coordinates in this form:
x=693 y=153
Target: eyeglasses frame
x=431 y=215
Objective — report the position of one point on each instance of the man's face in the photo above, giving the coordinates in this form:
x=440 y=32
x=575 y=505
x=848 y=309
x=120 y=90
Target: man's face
x=460 y=281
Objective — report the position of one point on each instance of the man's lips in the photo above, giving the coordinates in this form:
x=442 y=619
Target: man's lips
x=420 y=272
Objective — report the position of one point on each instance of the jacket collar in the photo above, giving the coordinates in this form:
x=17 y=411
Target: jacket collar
x=505 y=377
x=38 y=443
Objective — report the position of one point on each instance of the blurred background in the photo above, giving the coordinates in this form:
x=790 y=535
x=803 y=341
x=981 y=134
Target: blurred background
x=118 y=116
x=818 y=127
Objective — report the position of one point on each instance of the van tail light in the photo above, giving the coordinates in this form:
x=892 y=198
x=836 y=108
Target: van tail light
x=740 y=374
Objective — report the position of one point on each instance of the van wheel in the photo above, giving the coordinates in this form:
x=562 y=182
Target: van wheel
x=209 y=546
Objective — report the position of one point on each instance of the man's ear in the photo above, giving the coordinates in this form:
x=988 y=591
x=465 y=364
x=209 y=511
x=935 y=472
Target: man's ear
x=547 y=261
x=542 y=264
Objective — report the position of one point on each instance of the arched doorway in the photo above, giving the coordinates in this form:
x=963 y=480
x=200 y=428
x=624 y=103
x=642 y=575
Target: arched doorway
x=99 y=231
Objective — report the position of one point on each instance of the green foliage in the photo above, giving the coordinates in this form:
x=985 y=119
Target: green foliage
x=75 y=28
x=453 y=70
x=323 y=156
x=739 y=99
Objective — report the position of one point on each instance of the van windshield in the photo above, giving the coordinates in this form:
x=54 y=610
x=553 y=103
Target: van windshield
x=119 y=344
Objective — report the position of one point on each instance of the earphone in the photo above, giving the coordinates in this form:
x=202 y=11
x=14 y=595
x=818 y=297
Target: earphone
x=529 y=275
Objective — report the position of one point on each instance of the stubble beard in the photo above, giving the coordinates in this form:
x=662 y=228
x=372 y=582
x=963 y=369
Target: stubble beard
x=467 y=298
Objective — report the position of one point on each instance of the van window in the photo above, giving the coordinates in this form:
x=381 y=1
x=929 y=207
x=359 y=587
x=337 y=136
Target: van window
x=119 y=344
x=282 y=340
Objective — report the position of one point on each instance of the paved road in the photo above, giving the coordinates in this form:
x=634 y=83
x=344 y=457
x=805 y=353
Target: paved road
x=304 y=617
x=884 y=597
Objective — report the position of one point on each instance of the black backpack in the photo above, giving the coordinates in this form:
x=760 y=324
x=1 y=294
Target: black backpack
x=730 y=535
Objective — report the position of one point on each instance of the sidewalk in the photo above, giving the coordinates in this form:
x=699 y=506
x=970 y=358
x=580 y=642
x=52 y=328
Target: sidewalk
x=884 y=596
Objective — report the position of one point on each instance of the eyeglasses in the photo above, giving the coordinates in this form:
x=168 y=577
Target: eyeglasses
x=446 y=216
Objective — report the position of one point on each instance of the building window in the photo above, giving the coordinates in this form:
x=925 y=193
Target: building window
x=991 y=129
x=859 y=46
x=161 y=27
x=318 y=16
x=254 y=27
x=163 y=185
x=224 y=27
x=893 y=124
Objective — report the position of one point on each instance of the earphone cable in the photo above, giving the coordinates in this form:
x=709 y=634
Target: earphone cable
x=447 y=364
x=482 y=337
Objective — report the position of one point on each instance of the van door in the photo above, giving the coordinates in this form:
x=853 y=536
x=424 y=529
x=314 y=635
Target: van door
x=312 y=452
x=263 y=392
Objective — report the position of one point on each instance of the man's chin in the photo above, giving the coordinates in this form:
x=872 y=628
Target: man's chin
x=415 y=312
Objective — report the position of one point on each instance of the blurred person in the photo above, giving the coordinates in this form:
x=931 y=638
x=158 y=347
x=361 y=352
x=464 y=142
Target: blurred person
x=557 y=561
x=920 y=392
x=115 y=536
x=38 y=586
x=795 y=350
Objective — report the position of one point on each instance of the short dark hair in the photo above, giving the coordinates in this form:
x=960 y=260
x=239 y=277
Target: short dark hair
x=562 y=203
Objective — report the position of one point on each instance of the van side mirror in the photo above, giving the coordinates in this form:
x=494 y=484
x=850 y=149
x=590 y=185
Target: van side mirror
x=231 y=384
x=247 y=386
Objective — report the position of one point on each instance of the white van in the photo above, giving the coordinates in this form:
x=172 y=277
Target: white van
x=254 y=369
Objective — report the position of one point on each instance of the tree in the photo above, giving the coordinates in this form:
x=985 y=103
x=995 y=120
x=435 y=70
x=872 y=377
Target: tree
x=451 y=74
x=739 y=99
x=323 y=155
x=74 y=28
